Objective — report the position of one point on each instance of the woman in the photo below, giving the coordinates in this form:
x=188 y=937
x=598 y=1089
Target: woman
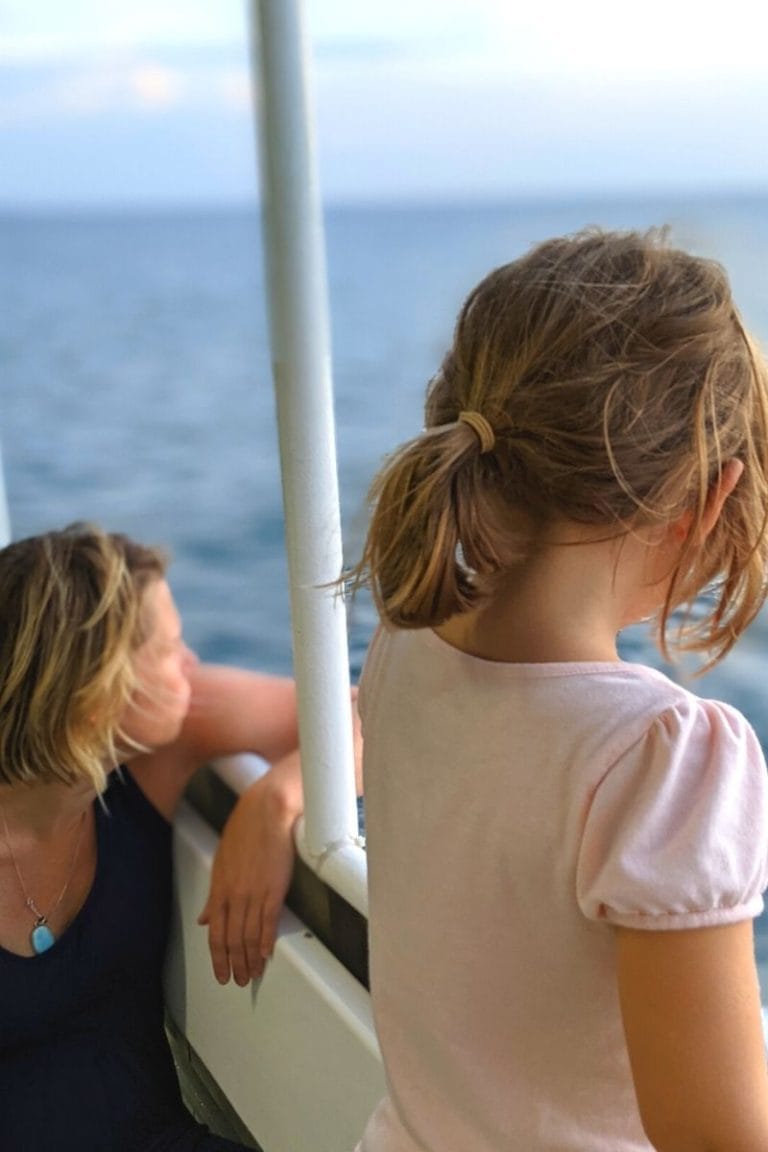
x=94 y=674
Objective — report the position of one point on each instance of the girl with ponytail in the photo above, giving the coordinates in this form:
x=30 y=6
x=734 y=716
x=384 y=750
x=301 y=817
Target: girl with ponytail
x=567 y=851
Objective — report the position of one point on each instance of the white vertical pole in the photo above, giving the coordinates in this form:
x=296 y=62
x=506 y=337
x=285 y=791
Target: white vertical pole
x=301 y=356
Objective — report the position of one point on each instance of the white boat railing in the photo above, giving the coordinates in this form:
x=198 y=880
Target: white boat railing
x=327 y=838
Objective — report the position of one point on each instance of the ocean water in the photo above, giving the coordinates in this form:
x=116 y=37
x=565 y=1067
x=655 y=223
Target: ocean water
x=136 y=385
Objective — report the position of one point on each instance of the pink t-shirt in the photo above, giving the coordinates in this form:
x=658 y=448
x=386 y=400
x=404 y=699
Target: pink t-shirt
x=514 y=812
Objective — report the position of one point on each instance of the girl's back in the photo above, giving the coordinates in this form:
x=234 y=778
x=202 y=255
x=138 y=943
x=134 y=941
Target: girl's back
x=515 y=812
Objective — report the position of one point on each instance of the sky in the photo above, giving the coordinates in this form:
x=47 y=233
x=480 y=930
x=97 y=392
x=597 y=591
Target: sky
x=149 y=102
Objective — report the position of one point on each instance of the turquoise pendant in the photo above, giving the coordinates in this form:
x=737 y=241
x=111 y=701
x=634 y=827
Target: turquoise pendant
x=42 y=939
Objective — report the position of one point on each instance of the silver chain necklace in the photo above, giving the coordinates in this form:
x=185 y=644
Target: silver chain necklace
x=41 y=937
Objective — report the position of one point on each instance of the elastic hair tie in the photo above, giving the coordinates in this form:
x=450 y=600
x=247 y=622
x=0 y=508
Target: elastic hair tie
x=482 y=429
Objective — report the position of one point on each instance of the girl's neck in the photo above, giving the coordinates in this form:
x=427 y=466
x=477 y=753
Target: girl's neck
x=566 y=604
x=506 y=635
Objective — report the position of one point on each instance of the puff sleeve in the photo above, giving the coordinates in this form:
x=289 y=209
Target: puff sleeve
x=676 y=834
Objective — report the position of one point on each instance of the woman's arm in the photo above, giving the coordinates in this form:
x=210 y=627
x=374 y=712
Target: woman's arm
x=253 y=867
x=690 y=1001
x=231 y=710
x=234 y=710
x=251 y=873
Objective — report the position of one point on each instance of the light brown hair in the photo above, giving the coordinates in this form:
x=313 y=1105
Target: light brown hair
x=70 y=617
x=618 y=379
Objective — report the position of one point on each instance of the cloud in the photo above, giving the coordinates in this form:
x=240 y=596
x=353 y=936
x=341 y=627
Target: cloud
x=235 y=89
x=55 y=31
x=156 y=87
x=112 y=84
x=438 y=98
x=142 y=86
x=445 y=132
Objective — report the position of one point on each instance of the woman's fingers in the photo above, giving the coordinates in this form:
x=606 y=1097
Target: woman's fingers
x=215 y=916
x=236 y=939
x=240 y=939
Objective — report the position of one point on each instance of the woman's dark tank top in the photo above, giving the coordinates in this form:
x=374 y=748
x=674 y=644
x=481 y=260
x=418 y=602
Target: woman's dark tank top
x=84 y=1062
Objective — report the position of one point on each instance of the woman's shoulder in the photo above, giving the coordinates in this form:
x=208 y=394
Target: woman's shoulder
x=125 y=802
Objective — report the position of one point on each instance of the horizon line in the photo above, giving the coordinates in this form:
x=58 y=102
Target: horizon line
x=528 y=198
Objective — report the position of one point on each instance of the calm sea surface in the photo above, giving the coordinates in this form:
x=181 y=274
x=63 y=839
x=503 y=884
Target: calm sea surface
x=136 y=389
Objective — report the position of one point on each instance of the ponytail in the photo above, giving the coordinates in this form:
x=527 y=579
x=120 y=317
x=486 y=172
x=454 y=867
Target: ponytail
x=427 y=549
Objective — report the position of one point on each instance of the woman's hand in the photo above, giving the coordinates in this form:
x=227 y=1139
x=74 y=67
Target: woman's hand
x=251 y=874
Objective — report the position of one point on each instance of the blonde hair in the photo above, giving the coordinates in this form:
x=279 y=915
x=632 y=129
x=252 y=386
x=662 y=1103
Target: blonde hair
x=618 y=380
x=70 y=618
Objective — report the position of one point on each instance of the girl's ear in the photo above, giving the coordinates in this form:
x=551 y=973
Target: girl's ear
x=719 y=493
